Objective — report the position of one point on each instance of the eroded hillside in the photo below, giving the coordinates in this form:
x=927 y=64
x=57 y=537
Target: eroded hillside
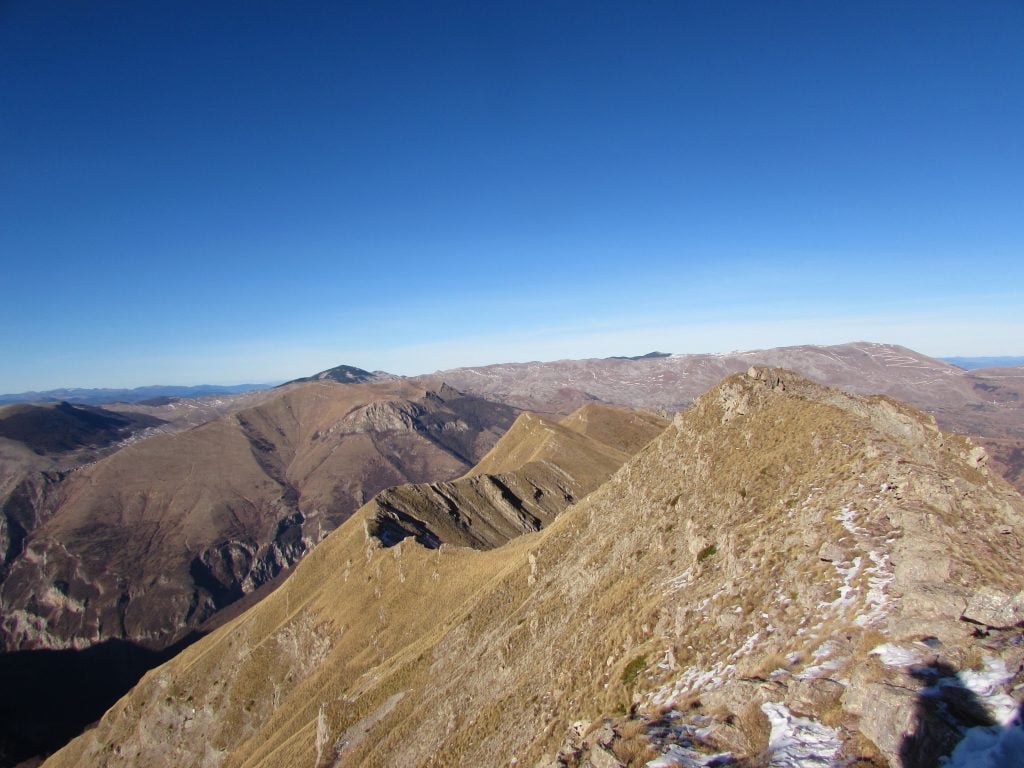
x=147 y=543
x=787 y=573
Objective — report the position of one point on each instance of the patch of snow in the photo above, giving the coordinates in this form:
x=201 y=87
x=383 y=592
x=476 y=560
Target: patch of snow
x=747 y=647
x=880 y=576
x=897 y=655
x=798 y=742
x=676 y=583
x=848 y=575
x=692 y=679
x=684 y=757
x=989 y=747
x=846 y=518
x=985 y=684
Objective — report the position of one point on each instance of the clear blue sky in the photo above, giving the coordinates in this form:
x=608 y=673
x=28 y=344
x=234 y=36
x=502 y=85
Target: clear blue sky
x=236 y=191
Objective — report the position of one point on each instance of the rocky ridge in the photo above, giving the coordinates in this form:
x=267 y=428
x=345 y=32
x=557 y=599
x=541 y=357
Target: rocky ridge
x=985 y=403
x=788 y=573
x=531 y=475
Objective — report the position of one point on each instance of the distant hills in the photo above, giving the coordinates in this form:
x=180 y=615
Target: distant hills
x=648 y=356
x=158 y=394
x=137 y=395
x=973 y=363
x=63 y=427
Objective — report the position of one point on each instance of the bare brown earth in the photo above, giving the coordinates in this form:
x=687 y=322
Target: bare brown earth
x=764 y=555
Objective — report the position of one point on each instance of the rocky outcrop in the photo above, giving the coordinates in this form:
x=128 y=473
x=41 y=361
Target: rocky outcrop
x=994 y=608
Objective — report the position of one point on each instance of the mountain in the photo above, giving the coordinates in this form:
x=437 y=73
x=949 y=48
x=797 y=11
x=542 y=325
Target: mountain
x=532 y=474
x=136 y=395
x=971 y=363
x=987 y=403
x=648 y=356
x=39 y=446
x=147 y=543
x=672 y=383
x=63 y=427
x=343 y=374
x=110 y=565
x=789 y=575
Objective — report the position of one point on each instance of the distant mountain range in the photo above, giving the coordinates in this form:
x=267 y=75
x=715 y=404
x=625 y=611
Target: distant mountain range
x=345 y=374
x=156 y=392
x=973 y=363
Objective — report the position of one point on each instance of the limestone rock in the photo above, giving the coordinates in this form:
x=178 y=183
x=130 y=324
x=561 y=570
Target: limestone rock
x=831 y=553
x=994 y=608
x=602 y=758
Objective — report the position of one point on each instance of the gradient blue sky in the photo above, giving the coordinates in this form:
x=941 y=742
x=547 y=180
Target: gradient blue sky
x=249 y=191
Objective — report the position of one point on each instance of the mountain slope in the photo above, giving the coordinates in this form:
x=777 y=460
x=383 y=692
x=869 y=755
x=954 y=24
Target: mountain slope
x=987 y=404
x=39 y=446
x=531 y=475
x=781 y=549
x=146 y=544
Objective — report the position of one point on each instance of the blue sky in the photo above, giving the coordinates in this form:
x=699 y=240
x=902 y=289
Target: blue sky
x=249 y=191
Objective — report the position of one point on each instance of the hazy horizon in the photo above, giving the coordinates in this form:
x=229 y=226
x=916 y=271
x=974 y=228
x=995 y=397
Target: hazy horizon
x=271 y=382
x=223 y=194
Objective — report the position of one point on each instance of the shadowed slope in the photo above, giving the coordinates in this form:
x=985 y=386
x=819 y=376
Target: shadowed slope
x=781 y=549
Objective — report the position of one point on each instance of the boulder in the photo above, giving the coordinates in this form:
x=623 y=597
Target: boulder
x=993 y=608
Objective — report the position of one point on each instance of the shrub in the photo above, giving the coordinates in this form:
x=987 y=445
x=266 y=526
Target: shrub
x=707 y=552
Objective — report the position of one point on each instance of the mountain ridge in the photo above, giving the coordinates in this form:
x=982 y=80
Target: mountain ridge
x=104 y=396
x=630 y=625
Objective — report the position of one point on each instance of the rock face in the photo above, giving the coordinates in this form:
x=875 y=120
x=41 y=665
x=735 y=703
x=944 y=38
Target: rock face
x=681 y=610
x=534 y=472
x=992 y=608
x=148 y=543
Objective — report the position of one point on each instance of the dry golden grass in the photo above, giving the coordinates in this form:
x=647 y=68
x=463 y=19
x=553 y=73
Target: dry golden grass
x=492 y=661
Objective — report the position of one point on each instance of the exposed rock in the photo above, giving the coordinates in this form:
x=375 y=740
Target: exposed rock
x=831 y=552
x=599 y=757
x=995 y=608
x=885 y=711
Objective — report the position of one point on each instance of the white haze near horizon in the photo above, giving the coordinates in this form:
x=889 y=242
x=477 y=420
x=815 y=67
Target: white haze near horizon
x=279 y=360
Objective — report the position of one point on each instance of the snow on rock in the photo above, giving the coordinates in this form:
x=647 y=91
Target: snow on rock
x=897 y=655
x=985 y=684
x=684 y=757
x=692 y=679
x=798 y=742
x=827 y=660
x=990 y=747
x=880 y=576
